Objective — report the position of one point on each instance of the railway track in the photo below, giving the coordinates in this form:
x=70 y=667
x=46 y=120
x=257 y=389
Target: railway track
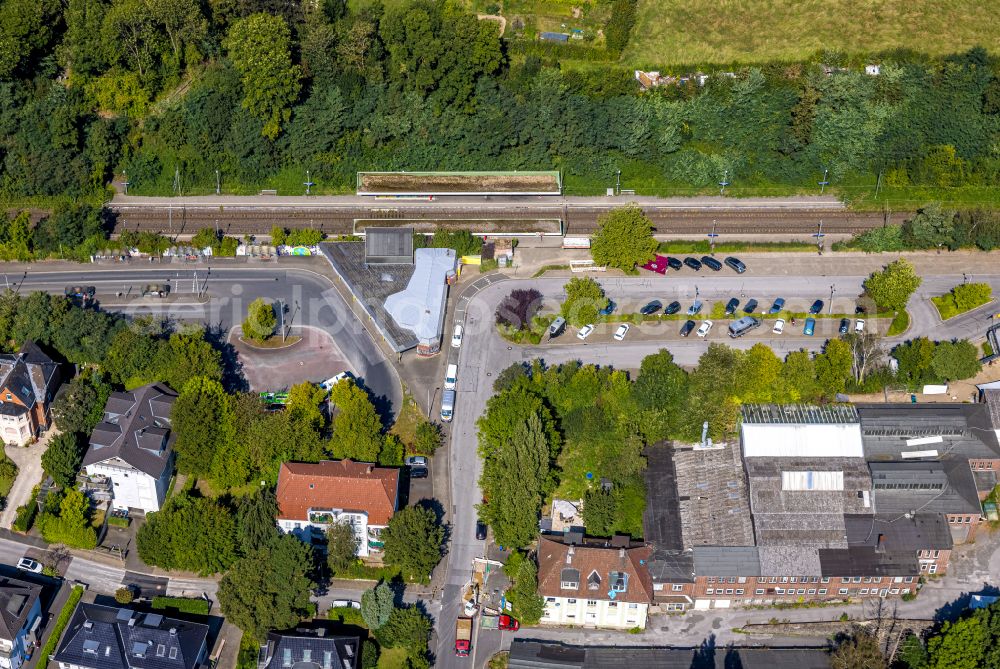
x=579 y=219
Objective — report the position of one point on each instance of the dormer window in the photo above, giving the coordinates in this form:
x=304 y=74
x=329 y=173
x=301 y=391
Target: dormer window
x=570 y=579
x=619 y=581
x=594 y=581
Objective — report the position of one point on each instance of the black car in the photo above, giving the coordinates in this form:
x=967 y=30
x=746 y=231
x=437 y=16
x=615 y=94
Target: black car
x=672 y=308
x=731 y=306
x=687 y=327
x=692 y=263
x=845 y=325
x=674 y=263
x=736 y=264
x=480 y=530
x=750 y=307
x=816 y=307
x=651 y=308
x=711 y=263
x=418 y=472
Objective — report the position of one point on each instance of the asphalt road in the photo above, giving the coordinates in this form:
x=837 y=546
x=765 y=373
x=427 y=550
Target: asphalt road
x=484 y=354
x=230 y=291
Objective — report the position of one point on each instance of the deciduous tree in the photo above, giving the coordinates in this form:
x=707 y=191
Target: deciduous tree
x=61 y=460
x=341 y=546
x=955 y=360
x=377 y=605
x=624 y=239
x=584 y=298
x=260 y=321
x=413 y=541
x=357 y=428
x=891 y=287
x=202 y=419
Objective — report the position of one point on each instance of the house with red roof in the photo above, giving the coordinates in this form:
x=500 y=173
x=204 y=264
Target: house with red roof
x=312 y=496
x=594 y=582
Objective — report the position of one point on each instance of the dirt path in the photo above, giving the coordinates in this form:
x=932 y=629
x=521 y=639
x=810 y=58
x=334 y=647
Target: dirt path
x=29 y=473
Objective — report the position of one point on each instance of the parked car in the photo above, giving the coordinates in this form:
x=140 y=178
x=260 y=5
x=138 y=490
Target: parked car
x=750 y=306
x=859 y=326
x=480 y=530
x=705 y=328
x=674 y=263
x=334 y=380
x=29 y=565
x=609 y=309
x=557 y=327
x=711 y=263
x=816 y=307
x=742 y=326
x=651 y=308
x=810 y=327
x=845 y=325
x=345 y=604
x=687 y=327
x=585 y=332
x=451 y=377
x=779 y=326
x=508 y=624
x=692 y=263
x=621 y=332
x=731 y=306
x=695 y=308
x=418 y=472
x=778 y=305
x=456 y=338
x=416 y=460
x=736 y=264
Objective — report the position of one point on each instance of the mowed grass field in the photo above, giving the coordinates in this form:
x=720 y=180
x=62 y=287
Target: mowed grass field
x=675 y=32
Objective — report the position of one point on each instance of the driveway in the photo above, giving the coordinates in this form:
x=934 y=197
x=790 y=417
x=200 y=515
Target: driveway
x=29 y=473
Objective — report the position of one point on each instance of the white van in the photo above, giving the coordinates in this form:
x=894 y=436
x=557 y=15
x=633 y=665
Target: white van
x=451 y=377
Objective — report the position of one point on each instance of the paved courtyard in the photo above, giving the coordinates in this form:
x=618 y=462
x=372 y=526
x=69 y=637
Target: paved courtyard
x=316 y=357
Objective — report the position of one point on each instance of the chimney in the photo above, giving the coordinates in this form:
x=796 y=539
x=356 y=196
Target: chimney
x=621 y=553
x=370 y=469
x=569 y=555
x=881 y=543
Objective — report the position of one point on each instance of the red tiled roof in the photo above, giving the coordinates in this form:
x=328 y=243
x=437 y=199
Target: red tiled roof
x=588 y=559
x=337 y=484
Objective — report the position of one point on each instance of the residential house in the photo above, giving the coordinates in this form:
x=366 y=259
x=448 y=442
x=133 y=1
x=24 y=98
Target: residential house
x=132 y=447
x=28 y=383
x=313 y=496
x=553 y=655
x=309 y=648
x=20 y=617
x=594 y=583
x=106 y=637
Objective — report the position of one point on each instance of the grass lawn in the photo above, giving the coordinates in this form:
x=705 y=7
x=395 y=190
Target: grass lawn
x=899 y=324
x=707 y=31
x=392 y=658
x=678 y=246
x=948 y=308
x=407 y=421
x=6 y=483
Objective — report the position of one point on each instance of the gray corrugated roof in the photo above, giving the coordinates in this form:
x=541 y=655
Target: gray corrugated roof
x=866 y=561
x=726 y=561
x=800 y=414
x=924 y=531
x=786 y=560
x=136 y=430
x=966 y=430
x=671 y=566
x=715 y=510
x=959 y=496
x=389 y=245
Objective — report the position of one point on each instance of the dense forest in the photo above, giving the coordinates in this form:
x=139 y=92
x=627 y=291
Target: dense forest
x=178 y=93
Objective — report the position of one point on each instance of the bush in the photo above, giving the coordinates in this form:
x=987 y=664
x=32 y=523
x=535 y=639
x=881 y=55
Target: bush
x=962 y=298
x=124 y=595
x=900 y=322
x=193 y=606
x=67 y=612
x=517 y=310
x=25 y=517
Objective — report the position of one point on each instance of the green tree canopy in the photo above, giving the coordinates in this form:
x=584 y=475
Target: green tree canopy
x=377 y=605
x=80 y=407
x=523 y=594
x=357 y=428
x=860 y=651
x=341 y=546
x=270 y=589
x=255 y=524
x=190 y=533
x=833 y=367
x=260 y=47
x=891 y=287
x=413 y=541
x=260 y=321
x=624 y=239
x=955 y=360
x=61 y=460
x=203 y=420
x=584 y=298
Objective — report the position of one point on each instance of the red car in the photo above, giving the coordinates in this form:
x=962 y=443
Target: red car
x=508 y=624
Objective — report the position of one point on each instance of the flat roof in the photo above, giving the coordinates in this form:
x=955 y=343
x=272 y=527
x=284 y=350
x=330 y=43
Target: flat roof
x=963 y=431
x=959 y=495
x=416 y=184
x=813 y=440
x=923 y=531
x=389 y=245
x=805 y=414
x=420 y=307
x=712 y=492
x=726 y=561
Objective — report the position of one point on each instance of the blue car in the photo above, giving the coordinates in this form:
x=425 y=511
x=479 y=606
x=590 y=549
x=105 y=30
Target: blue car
x=778 y=305
x=609 y=309
x=810 y=327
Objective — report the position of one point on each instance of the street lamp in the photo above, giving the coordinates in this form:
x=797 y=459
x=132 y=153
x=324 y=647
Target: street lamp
x=308 y=183
x=724 y=183
x=819 y=238
x=711 y=239
x=618 y=182
x=126 y=182
x=832 y=290
x=218 y=183
x=825 y=182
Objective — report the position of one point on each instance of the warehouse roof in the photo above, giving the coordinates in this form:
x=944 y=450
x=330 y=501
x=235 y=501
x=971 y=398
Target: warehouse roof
x=551 y=655
x=938 y=431
x=958 y=493
x=923 y=531
x=388 y=246
x=726 y=561
x=420 y=307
